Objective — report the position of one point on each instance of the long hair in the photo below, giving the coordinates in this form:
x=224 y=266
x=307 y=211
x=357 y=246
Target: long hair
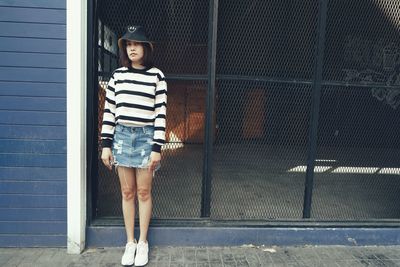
x=147 y=60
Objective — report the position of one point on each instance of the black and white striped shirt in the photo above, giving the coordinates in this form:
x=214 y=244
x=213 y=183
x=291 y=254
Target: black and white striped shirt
x=135 y=97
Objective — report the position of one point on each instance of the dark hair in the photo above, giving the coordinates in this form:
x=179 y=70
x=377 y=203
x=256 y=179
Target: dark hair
x=147 y=56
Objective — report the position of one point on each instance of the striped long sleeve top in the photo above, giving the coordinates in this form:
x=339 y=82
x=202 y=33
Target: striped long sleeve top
x=135 y=98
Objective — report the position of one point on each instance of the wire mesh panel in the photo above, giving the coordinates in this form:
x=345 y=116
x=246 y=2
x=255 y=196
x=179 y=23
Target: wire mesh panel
x=177 y=188
x=179 y=30
x=358 y=145
x=177 y=185
x=362 y=41
x=265 y=66
x=261 y=138
x=358 y=159
x=267 y=38
x=262 y=127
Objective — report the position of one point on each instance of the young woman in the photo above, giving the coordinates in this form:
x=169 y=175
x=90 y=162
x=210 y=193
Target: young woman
x=133 y=132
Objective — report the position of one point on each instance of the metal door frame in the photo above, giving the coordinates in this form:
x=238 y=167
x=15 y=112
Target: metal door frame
x=211 y=78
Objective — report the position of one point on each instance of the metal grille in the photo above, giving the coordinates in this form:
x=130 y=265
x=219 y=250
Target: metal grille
x=362 y=40
x=262 y=126
x=272 y=39
x=358 y=157
x=358 y=134
x=180 y=34
x=262 y=136
x=177 y=185
x=268 y=73
x=179 y=30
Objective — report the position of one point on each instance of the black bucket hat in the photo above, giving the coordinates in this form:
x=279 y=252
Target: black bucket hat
x=135 y=33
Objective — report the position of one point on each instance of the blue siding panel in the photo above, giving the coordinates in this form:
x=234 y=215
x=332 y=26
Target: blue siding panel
x=33 y=228
x=32 y=118
x=36 y=187
x=37 y=3
x=32 y=174
x=18 y=14
x=36 y=60
x=33 y=160
x=32 y=201
x=10 y=44
x=33 y=146
x=31 y=214
x=33 y=89
x=24 y=240
x=32 y=132
x=32 y=74
x=33 y=30
x=32 y=103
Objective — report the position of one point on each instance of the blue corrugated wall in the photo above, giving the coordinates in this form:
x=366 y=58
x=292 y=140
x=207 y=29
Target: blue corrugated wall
x=33 y=176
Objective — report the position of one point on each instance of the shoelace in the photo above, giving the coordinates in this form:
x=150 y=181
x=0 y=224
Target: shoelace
x=130 y=248
x=141 y=247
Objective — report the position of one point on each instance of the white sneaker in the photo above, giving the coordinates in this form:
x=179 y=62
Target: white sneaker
x=129 y=255
x=142 y=254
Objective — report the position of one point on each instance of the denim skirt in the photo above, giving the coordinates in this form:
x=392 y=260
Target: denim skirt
x=132 y=146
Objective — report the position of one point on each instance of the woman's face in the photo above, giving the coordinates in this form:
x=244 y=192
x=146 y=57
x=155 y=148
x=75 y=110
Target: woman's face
x=135 y=51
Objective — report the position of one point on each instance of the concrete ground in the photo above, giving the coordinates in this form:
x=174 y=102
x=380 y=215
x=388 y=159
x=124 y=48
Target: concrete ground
x=338 y=256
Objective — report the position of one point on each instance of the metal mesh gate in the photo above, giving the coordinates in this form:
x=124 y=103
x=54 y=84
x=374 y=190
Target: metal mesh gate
x=262 y=125
x=358 y=130
x=180 y=34
x=268 y=56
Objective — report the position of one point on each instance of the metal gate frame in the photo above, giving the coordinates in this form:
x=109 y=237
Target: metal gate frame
x=316 y=83
x=316 y=90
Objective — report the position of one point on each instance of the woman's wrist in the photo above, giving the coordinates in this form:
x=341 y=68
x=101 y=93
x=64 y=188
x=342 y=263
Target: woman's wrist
x=106 y=143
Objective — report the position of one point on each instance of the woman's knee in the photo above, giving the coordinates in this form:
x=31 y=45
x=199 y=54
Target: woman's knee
x=128 y=193
x=144 y=193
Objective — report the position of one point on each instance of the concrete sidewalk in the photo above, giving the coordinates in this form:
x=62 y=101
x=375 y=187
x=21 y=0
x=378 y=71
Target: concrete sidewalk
x=211 y=256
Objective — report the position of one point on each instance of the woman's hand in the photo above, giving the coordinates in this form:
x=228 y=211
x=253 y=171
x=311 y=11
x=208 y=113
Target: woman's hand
x=155 y=159
x=107 y=157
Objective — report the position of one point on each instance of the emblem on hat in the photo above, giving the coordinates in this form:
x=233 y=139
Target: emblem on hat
x=132 y=28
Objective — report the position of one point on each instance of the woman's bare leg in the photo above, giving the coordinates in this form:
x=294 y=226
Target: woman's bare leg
x=127 y=181
x=144 y=179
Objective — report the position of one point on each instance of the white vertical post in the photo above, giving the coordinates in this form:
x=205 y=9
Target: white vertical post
x=76 y=124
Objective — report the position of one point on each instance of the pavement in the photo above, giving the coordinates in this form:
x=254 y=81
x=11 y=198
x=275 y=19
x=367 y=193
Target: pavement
x=247 y=255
